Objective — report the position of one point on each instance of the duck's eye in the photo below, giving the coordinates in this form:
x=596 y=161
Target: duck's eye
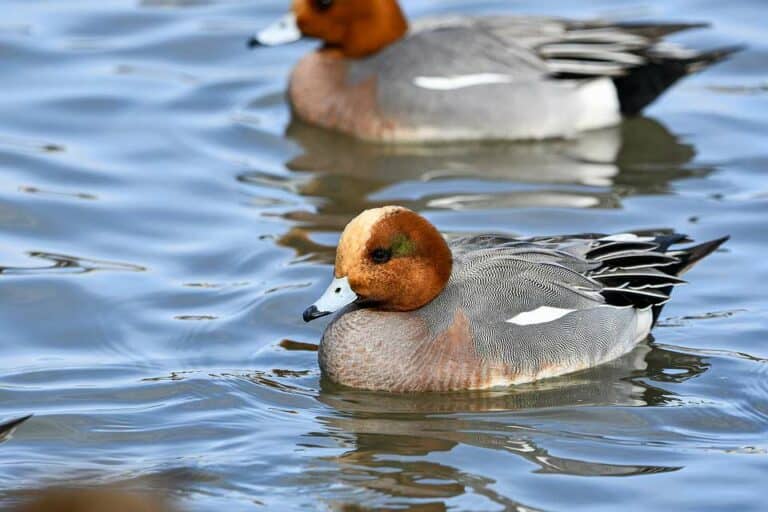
x=323 y=5
x=381 y=255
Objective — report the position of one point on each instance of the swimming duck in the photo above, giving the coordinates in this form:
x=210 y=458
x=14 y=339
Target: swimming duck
x=418 y=312
x=467 y=78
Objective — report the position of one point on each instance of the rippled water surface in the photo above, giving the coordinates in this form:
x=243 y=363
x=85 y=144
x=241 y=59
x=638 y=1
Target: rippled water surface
x=163 y=225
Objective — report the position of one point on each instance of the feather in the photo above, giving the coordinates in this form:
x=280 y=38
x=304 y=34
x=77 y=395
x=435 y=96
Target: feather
x=613 y=247
x=639 y=298
x=635 y=260
x=589 y=52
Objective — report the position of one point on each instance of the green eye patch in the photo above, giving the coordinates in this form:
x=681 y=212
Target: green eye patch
x=402 y=246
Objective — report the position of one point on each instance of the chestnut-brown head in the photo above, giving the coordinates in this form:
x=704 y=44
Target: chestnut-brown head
x=391 y=258
x=357 y=28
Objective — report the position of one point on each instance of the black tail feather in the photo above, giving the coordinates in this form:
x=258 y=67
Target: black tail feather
x=7 y=428
x=705 y=59
x=642 y=271
x=641 y=85
x=657 y=30
x=688 y=258
x=691 y=255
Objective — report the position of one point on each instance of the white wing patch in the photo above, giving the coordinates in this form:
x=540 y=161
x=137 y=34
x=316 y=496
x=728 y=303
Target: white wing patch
x=627 y=237
x=449 y=83
x=546 y=314
x=540 y=315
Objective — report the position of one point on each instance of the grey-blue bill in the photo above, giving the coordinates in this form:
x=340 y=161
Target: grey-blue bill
x=338 y=295
x=283 y=31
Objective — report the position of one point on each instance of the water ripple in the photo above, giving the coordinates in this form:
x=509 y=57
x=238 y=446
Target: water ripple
x=65 y=264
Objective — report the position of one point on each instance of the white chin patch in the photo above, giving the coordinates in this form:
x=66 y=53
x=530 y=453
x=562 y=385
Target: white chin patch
x=540 y=315
x=449 y=83
x=338 y=295
x=283 y=31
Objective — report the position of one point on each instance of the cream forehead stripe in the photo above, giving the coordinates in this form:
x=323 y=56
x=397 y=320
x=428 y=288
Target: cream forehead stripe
x=360 y=229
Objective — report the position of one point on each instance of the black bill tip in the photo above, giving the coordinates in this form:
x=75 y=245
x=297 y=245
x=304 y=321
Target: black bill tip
x=254 y=43
x=312 y=313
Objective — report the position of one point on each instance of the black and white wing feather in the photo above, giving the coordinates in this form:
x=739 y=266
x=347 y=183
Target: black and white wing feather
x=636 y=56
x=636 y=269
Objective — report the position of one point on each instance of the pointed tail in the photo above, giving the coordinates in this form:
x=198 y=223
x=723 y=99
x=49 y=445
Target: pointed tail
x=7 y=428
x=691 y=255
x=688 y=258
x=641 y=85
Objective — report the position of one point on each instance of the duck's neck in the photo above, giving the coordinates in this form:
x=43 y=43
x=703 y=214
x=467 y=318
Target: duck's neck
x=380 y=24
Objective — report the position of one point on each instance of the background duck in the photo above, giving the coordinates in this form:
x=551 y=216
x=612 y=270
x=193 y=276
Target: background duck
x=466 y=78
x=423 y=314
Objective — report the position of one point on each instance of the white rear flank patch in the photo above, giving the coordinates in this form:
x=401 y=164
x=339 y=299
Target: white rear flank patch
x=644 y=324
x=599 y=102
x=450 y=83
x=540 y=315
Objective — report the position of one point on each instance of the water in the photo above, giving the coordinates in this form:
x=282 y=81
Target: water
x=162 y=226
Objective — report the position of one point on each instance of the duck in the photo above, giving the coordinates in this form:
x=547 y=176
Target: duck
x=420 y=312
x=377 y=78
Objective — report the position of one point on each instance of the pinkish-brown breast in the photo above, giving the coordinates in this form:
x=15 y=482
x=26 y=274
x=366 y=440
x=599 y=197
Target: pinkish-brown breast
x=396 y=352
x=320 y=95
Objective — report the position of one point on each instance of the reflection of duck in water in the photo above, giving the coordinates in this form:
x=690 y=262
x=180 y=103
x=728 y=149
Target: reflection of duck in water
x=594 y=159
x=474 y=78
x=388 y=436
x=597 y=169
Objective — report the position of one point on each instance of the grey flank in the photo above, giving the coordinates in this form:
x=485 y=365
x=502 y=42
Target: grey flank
x=543 y=68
